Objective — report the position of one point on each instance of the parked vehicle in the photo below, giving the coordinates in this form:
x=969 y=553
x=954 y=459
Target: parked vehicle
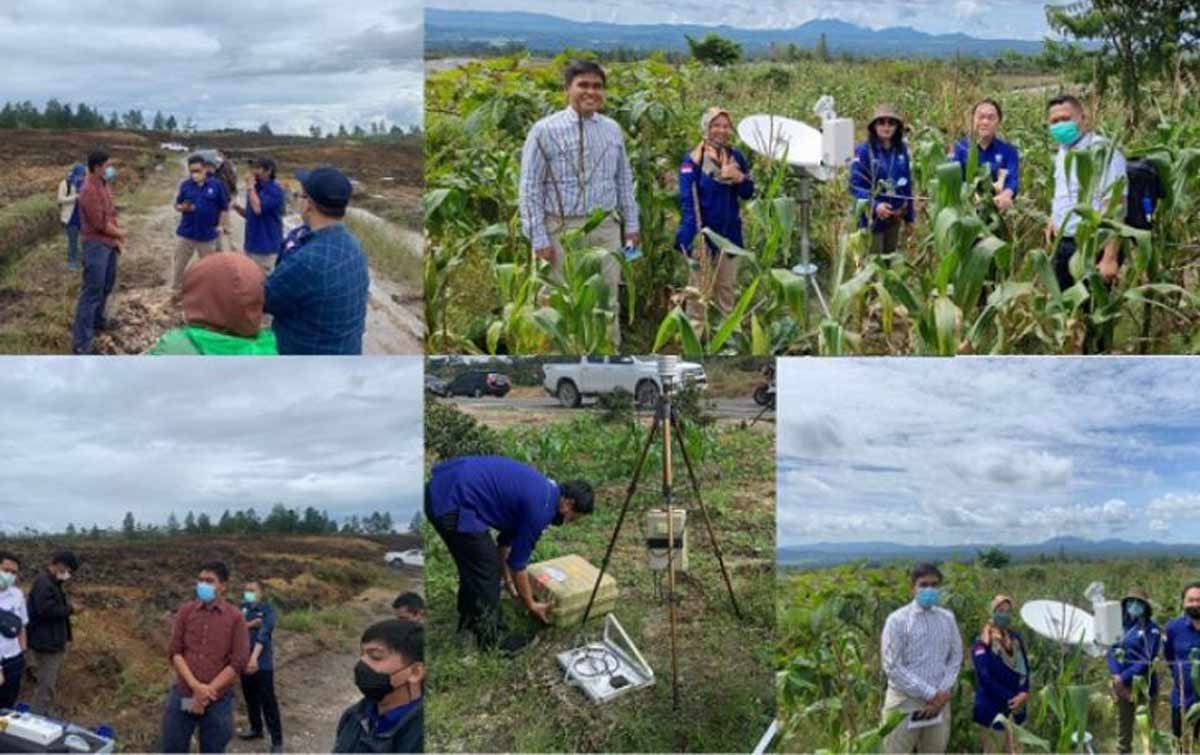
x=410 y=557
x=477 y=384
x=592 y=376
x=435 y=385
x=764 y=394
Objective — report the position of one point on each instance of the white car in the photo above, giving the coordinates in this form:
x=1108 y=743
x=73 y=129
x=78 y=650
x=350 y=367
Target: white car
x=173 y=147
x=410 y=557
x=592 y=376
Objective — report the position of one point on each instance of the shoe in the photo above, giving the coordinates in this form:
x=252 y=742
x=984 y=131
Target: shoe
x=108 y=324
x=514 y=644
x=249 y=734
x=277 y=748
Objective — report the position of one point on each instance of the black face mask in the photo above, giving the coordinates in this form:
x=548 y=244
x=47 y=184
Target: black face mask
x=374 y=685
x=1193 y=612
x=557 y=520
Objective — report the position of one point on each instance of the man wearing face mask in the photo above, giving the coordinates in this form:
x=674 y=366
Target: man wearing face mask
x=202 y=203
x=1182 y=652
x=318 y=291
x=102 y=242
x=1132 y=657
x=922 y=653
x=50 y=613
x=13 y=620
x=1070 y=130
x=391 y=676
x=468 y=496
x=258 y=683
x=263 y=211
x=209 y=650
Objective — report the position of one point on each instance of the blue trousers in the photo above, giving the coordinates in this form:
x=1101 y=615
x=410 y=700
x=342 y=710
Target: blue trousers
x=215 y=725
x=99 y=278
x=72 y=244
x=13 y=669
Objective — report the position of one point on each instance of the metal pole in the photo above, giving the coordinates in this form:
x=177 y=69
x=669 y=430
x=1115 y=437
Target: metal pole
x=668 y=497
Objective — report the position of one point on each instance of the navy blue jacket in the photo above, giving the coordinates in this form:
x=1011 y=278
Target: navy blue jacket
x=261 y=634
x=998 y=155
x=495 y=492
x=1139 y=646
x=264 y=231
x=996 y=683
x=871 y=172
x=210 y=199
x=362 y=729
x=718 y=203
x=1183 y=640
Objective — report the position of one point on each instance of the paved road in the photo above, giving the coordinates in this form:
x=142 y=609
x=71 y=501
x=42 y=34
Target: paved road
x=725 y=408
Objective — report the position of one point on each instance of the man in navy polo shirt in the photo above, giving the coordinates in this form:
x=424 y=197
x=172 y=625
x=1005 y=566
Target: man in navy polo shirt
x=318 y=291
x=1182 y=652
x=467 y=497
x=263 y=211
x=202 y=202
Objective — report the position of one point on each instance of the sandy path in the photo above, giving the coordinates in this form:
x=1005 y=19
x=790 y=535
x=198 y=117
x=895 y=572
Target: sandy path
x=142 y=303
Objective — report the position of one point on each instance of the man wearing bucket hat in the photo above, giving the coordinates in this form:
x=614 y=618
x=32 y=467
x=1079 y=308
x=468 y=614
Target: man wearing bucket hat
x=881 y=177
x=13 y=619
x=263 y=211
x=318 y=291
x=1133 y=657
x=713 y=178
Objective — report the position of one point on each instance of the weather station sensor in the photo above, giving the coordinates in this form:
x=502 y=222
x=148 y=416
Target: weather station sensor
x=1063 y=623
x=22 y=731
x=607 y=669
x=817 y=154
x=1106 y=615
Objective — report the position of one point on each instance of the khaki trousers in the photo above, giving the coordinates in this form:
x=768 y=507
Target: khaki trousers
x=265 y=261
x=183 y=255
x=904 y=740
x=606 y=235
x=720 y=273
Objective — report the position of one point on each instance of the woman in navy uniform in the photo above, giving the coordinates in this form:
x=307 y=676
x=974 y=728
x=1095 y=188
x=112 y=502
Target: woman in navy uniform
x=881 y=175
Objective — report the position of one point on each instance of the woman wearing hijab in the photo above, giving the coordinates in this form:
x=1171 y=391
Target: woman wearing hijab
x=1132 y=657
x=223 y=309
x=1001 y=677
x=713 y=178
x=998 y=157
x=881 y=176
x=68 y=195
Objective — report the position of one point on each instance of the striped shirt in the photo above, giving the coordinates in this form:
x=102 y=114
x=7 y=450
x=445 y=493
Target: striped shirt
x=570 y=167
x=922 y=651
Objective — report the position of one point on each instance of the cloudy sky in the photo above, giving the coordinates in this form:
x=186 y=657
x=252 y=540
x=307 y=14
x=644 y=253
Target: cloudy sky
x=1007 y=19
x=965 y=451
x=239 y=63
x=85 y=440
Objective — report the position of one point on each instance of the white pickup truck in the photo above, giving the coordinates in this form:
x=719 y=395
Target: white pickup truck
x=591 y=376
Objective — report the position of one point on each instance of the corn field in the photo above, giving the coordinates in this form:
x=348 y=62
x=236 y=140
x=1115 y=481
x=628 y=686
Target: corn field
x=966 y=281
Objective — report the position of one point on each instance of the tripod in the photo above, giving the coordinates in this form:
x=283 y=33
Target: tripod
x=806 y=269
x=666 y=418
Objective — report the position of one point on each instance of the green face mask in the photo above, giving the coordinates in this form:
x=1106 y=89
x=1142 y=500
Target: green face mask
x=1002 y=619
x=1065 y=133
x=250 y=597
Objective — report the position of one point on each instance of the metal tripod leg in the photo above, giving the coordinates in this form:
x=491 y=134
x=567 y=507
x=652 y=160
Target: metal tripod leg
x=629 y=493
x=687 y=460
x=760 y=414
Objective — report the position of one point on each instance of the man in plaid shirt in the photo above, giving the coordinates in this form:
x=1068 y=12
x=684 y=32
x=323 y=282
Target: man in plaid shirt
x=574 y=163
x=318 y=291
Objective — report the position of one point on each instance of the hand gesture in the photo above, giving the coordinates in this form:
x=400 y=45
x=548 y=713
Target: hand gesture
x=730 y=170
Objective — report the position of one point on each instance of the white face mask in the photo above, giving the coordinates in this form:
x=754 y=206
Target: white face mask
x=65 y=575
x=7 y=579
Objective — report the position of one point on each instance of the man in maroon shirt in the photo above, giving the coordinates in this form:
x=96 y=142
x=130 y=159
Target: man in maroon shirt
x=102 y=242
x=209 y=649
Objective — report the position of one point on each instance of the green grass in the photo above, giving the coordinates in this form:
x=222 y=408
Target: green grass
x=388 y=253
x=339 y=619
x=482 y=702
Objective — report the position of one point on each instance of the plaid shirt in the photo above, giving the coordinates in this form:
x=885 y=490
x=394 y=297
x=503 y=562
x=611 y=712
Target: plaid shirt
x=560 y=176
x=318 y=295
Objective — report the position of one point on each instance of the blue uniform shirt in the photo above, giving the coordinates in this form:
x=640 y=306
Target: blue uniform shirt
x=264 y=232
x=262 y=634
x=883 y=176
x=718 y=202
x=494 y=492
x=1140 y=646
x=996 y=683
x=210 y=199
x=318 y=294
x=997 y=156
x=1183 y=639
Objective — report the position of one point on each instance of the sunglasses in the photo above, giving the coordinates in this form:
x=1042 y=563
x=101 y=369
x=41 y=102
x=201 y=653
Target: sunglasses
x=888 y=122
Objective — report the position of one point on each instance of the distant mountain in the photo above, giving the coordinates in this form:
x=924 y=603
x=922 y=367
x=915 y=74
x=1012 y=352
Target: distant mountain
x=450 y=30
x=822 y=555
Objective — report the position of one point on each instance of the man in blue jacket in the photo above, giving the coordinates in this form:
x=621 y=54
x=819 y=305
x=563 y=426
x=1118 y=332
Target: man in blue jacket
x=263 y=211
x=202 y=202
x=468 y=496
x=1132 y=657
x=258 y=681
x=1182 y=651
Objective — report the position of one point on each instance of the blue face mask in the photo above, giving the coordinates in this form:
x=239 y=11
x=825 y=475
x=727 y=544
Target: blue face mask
x=1135 y=610
x=927 y=597
x=205 y=592
x=1065 y=133
x=110 y=173
x=250 y=596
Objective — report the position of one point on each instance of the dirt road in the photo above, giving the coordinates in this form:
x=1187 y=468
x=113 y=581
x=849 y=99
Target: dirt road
x=142 y=300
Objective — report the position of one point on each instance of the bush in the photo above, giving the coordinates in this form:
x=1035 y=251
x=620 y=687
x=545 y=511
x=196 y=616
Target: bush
x=616 y=406
x=450 y=433
x=693 y=407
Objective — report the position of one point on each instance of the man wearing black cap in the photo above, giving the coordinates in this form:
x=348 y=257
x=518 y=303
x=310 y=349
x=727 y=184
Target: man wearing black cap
x=318 y=292
x=263 y=211
x=50 y=626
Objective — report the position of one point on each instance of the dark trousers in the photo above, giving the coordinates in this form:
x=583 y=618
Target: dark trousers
x=1177 y=726
x=99 y=278
x=13 y=669
x=215 y=725
x=478 y=561
x=259 y=691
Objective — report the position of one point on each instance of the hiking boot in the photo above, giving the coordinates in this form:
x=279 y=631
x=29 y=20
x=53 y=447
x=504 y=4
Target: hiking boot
x=514 y=643
x=249 y=734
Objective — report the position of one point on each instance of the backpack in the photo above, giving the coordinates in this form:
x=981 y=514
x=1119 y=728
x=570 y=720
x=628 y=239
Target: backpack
x=1145 y=190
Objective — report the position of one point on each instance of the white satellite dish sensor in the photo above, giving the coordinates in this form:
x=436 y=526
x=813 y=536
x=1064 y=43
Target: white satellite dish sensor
x=1063 y=623
x=783 y=139
x=607 y=669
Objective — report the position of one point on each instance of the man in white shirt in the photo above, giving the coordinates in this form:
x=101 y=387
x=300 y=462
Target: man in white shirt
x=13 y=619
x=1069 y=128
x=574 y=163
x=922 y=652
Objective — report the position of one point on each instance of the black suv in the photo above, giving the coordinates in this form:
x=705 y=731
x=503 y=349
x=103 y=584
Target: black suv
x=479 y=384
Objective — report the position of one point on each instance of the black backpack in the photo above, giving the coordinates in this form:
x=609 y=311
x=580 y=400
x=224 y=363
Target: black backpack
x=1145 y=190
